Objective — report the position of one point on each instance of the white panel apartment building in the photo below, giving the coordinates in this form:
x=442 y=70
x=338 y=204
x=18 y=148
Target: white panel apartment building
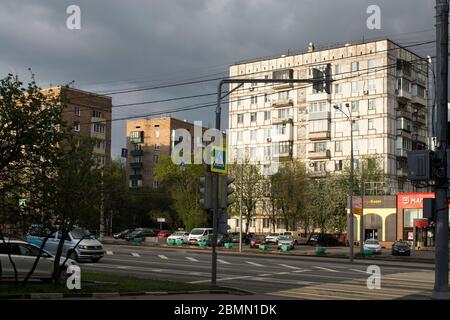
x=384 y=84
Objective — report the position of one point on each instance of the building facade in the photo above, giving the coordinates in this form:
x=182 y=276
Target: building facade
x=383 y=85
x=147 y=140
x=89 y=115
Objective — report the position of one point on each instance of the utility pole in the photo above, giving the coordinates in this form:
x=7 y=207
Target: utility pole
x=240 y=207
x=361 y=219
x=440 y=290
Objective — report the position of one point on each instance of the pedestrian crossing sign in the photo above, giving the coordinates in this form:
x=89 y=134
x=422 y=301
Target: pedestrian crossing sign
x=218 y=160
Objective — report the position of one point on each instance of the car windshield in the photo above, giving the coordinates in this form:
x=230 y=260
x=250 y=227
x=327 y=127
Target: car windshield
x=258 y=237
x=179 y=233
x=285 y=238
x=273 y=234
x=372 y=242
x=81 y=233
x=402 y=243
x=197 y=232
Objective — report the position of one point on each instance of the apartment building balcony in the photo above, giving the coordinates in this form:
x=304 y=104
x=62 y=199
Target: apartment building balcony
x=137 y=153
x=316 y=155
x=283 y=103
x=403 y=133
x=136 y=165
x=319 y=115
x=418 y=100
x=320 y=135
x=403 y=95
x=282 y=120
x=400 y=152
x=135 y=176
x=318 y=96
x=317 y=174
x=282 y=86
x=136 y=137
x=420 y=118
x=402 y=172
x=404 y=113
x=419 y=138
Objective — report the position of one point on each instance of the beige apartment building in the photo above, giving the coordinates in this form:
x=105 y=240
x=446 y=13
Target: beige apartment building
x=89 y=115
x=147 y=140
x=384 y=86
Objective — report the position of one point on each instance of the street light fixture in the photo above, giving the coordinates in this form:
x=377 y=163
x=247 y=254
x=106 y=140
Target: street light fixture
x=349 y=118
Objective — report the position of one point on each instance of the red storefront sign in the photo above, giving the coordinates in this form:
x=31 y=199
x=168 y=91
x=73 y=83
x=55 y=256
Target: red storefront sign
x=412 y=200
x=421 y=223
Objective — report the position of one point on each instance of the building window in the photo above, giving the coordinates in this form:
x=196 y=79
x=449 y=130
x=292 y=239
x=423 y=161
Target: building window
x=283 y=113
x=252 y=135
x=155 y=184
x=355 y=126
x=321 y=106
x=77 y=111
x=370 y=124
x=281 y=129
x=320 y=146
x=254 y=99
x=96 y=114
x=240 y=118
x=253 y=116
x=355 y=106
x=371 y=144
x=338 y=88
x=320 y=166
x=240 y=103
x=338 y=146
x=356 y=145
x=284 y=95
x=133 y=183
x=371 y=65
x=239 y=136
x=253 y=223
x=76 y=126
x=338 y=127
x=371 y=104
x=318 y=125
x=355 y=88
x=337 y=69
x=371 y=85
x=284 y=147
x=267 y=152
x=266 y=223
x=267 y=133
x=338 y=165
x=155 y=158
x=157 y=134
x=267 y=115
x=100 y=144
x=355 y=66
x=156 y=146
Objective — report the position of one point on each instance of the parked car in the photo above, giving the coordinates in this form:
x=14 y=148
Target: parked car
x=221 y=239
x=297 y=235
x=273 y=237
x=372 y=244
x=183 y=235
x=401 y=248
x=198 y=234
x=234 y=236
x=286 y=240
x=326 y=240
x=78 y=245
x=164 y=234
x=122 y=234
x=256 y=240
x=24 y=255
x=141 y=233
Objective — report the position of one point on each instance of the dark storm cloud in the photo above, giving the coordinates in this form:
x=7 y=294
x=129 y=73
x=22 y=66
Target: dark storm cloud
x=122 y=43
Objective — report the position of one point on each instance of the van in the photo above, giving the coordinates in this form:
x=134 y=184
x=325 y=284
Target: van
x=297 y=235
x=198 y=234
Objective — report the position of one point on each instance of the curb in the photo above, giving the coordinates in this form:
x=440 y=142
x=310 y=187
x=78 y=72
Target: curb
x=42 y=296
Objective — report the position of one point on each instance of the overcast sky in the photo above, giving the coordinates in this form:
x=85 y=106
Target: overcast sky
x=135 y=43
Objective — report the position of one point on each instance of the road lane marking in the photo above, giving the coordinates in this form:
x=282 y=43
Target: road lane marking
x=325 y=269
x=356 y=270
x=254 y=264
x=223 y=261
x=163 y=257
x=264 y=274
x=304 y=270
x=134 y=254
x=123 y=267
x=288 y=266
x=281 y=273
x=109 y=253
x=192 y=259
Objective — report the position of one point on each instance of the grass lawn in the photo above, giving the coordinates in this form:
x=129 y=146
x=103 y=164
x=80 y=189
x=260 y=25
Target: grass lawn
x=117 y=283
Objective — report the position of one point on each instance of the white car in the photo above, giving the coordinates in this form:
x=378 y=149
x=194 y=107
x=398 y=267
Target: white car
x=273 y=237
x=23 y=255
x=286 y=240
x=183 y=235
x=372 y=244
x=199 y=234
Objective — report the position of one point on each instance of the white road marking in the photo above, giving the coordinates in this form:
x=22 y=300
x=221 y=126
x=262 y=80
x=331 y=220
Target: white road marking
x=162 y=256
x=123 y=267
x=326 y=269
x=288 y=266
x=109 y=253
x=191 y=259
x=223 y=261
x=264 y=274
x=356 y=270
x=134 y=254
x=304 y=270
x=282 y=273
x=254 y=264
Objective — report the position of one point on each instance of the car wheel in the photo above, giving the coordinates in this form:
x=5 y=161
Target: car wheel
x=73 y=255
x=95 y=260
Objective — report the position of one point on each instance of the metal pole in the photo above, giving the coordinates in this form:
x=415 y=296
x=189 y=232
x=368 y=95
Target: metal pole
x=351 y=191
x=102 y=209
x=441 y=268
x=361 y=219
x=240 y=208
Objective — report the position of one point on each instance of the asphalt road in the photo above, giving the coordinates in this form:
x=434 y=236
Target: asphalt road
x=280 y=276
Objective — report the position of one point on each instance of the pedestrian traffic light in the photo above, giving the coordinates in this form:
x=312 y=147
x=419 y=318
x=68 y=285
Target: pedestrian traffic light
x=206 y=191
x=226 y=191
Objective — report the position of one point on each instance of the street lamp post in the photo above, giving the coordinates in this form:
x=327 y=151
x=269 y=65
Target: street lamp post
x=350 y=227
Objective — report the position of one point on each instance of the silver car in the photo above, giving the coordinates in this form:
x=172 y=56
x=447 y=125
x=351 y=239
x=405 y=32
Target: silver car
x=286 y=240
x=88 y=248
x=23 y=255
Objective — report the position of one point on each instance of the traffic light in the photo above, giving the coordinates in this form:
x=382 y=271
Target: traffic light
x=226 y=191
x=206 y=191
x=323 y=79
